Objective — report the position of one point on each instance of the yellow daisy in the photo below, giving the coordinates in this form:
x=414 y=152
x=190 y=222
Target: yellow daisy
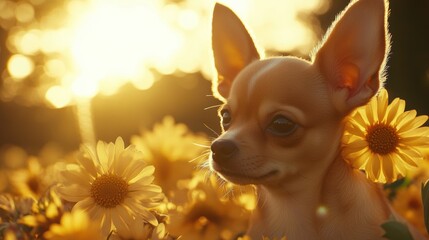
x=408 y=203
x=112 y=184
x=266 y=238
x=209 y=214
x=75 y=225
x=13 y=207
x=384 y=140
x=48 y=210
x=140 y=230
x=171 y=147
x=31 y=181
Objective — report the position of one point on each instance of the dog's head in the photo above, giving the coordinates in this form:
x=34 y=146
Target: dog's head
x=282 y=117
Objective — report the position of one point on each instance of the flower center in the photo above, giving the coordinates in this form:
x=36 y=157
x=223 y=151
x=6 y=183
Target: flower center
x=382 y=138
x=415 y=204
x=109 y=190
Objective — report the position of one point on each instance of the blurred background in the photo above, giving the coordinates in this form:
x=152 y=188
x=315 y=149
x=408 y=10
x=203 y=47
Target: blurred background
x=126 y=64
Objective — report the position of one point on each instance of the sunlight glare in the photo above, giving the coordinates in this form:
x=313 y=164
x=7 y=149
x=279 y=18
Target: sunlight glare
x=53 y=41
x=97 y=46
x=84 y=86
x=128 y=37
x=279 y=26
x=188 y=19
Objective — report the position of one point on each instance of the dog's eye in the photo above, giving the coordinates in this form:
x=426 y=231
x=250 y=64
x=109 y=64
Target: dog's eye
x=281 y=126
x=226 y=117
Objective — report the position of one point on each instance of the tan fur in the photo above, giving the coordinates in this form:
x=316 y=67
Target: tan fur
x=305 y=189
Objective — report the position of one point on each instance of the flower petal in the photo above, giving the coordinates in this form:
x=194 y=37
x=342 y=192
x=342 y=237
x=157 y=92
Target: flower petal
x=387 y=166
x=405 y=118
x=137 y=167
x=87 y=162
x=399 y=167
x=77 y=177
x=382 y=102
x=422 y=131
x=117 y=217
x=106 y=224
x=411 y=151
x=146 y=172
x=415 y=141
x=72 y=193
x=355 y=131
x=142 y=180
x=351 y=153
x=119 y=147
x=84 y=205
x=394 y=110
x=140 y=192
x=110 y=152
x=370 y=112
x=376 y=166
x=136 y=207
x=122 y=162
x=361 y=161
x=374 y=109
x=407 y=159
x=102 y=156
x=358 y=144
x=358 y=120
x=96 y=213
x=415 y=123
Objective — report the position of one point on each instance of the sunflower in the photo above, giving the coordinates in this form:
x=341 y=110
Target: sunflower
x=31 y=181
x=13 y=207
x=112 y=184
x=46 y=211
x=408 y=203
x=171 y=147
x=75 y=225
x=140 y=230
x=266 y=238
x=383 y=140
x=208 y=214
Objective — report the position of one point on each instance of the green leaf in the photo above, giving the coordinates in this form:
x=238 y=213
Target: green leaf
x=395 y=230
x=425 y=201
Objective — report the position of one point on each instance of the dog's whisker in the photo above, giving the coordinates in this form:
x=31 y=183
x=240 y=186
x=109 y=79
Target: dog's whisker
x=201 y=145
x=214 y=106
x=212 y=130
x=204 y=155
x=205 y=165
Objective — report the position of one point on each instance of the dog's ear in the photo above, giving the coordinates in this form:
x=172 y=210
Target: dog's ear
x=233 y=48
x=353 y=55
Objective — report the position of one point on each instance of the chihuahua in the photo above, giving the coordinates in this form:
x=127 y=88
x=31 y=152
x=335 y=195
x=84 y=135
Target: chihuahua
x=283 y=120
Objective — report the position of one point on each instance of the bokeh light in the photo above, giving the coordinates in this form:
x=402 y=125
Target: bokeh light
x=87 y=47
x=20 y=66
x=58 y=96
x=24 y=12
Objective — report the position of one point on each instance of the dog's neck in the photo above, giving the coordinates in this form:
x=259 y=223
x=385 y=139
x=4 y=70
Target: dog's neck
x=317 y=203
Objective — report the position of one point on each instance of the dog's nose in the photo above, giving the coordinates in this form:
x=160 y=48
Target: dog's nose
x=223 y=150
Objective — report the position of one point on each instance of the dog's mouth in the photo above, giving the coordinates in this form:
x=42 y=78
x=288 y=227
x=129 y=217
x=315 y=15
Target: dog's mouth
x=239 y=177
